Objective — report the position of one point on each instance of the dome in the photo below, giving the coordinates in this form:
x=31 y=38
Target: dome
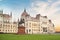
x=24 y=13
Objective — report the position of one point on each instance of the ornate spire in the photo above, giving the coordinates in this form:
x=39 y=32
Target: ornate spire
x=18 y=20
x=24 y=10
x=24 y=13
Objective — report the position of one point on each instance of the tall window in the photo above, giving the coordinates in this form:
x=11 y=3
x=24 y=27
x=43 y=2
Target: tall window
x=29 y=24
x=44 y=29
x=29 y=30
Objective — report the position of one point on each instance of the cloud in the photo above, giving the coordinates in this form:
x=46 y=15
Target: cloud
x=44 y=7
x=56 y=18
x=49 y=8
x=52 y=0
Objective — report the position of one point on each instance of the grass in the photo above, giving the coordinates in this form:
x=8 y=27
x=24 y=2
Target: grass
x=30 y=37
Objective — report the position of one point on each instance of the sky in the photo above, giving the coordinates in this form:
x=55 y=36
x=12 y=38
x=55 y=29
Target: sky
x=49 y=8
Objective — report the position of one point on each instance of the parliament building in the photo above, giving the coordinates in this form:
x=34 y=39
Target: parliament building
x=35 y=25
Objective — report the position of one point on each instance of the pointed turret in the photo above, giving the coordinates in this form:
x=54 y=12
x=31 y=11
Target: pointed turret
x=11 y=14
x=38 y=16
x=50 y=21
x=24 y=10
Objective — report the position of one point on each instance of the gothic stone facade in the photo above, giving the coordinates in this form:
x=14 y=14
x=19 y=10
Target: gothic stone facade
x=6 y=24
x=36 y=25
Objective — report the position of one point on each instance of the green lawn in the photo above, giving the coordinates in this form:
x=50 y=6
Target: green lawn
x=30 y=37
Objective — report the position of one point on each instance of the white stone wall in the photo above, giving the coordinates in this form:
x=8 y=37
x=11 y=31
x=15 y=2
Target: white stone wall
x=7 y=27
x=34 y=27
x=38 y=28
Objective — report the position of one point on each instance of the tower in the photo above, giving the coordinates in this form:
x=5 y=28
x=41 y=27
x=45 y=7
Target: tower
x=11 y=14
x=1 y=11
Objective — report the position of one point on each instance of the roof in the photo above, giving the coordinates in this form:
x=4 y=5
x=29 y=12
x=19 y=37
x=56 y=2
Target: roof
x=44 y=16
x=5 y=15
